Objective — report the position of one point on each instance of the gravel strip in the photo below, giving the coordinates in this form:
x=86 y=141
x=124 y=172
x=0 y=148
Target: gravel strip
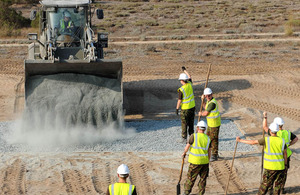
x=148 y=136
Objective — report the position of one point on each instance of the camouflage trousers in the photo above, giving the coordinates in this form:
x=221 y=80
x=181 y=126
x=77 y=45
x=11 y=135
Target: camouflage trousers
x=213 y=134
x=187 y=122
x=285 y=172
x=193 y=172
x=271 y=178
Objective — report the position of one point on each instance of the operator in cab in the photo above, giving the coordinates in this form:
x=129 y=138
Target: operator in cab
x=66 y=25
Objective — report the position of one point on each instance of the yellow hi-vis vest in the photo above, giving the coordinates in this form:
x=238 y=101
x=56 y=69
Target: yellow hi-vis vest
x=121 y=189
x=62 y=25
x=188 y=101
x=213 y=118
x=286 y=135
x=273 y=157
x=198 y=154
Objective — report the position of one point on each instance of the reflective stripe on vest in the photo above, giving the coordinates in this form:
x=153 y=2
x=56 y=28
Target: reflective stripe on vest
x=198 y=153
x=121 y=189
x=188 y=96
x=213 y=118
x=286 y=135
x=273 y=157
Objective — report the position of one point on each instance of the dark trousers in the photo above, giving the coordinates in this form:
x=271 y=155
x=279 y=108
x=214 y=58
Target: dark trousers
x=187 y=122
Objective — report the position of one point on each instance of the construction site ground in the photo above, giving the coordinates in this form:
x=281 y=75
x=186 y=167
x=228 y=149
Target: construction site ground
x=247 y=78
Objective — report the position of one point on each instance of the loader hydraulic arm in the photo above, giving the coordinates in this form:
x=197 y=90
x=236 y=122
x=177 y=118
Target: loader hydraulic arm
x=90 y=44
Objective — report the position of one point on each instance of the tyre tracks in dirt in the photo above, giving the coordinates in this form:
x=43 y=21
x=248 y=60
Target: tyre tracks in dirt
x=104 y=173
x=292 y=113
x=139 y=177
x=221 y=170
x=13 y=178
x=264 y=106
x=101 y=176
x=237 y=96
x=76 y=182
x=282 y=91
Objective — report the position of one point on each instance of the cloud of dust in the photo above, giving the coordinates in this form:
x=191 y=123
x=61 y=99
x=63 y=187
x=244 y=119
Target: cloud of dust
x=70 y=109
x=55 y=137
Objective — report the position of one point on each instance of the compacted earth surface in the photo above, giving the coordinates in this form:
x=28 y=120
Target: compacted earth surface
x=249 y=75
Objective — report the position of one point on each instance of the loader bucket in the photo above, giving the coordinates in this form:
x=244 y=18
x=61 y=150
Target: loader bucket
x=73 y=92
x=102 y=68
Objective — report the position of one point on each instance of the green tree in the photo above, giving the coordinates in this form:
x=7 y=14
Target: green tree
x=11 y=17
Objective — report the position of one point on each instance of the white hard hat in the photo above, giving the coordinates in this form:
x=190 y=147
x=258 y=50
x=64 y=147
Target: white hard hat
x=274 y=127
x=207 y=91
x=183 y=76
x=123 y=169
x=278 y=120
x=67 y=14
x=202 y=124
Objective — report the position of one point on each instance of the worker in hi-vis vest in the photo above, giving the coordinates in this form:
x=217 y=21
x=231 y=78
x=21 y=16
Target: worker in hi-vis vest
x=275 y=160
x=66 y=25
x=187 y=103
x=289 y=138
x=121 y=187
x=213 y=118
x=199 y=155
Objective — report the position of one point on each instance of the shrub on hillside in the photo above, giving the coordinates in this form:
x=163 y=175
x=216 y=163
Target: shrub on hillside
x=146 y=22
x=35 y=23
x=290 y=24
x=11 y=21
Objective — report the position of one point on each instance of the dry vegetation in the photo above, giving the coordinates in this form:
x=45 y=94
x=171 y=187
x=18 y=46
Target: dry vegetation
x=217 y=53
x=255 y=69
x=199 y=17
x=178 y=17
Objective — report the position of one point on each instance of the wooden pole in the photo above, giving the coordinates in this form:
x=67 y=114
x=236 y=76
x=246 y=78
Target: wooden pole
x=231 y=167
x=202 y=101
x=178 y=185
x=262 y=158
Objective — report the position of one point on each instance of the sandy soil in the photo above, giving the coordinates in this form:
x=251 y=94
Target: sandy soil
x=247 y=78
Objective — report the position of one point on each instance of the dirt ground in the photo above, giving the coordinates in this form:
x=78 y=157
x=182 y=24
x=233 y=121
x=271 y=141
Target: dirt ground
x=247 y=78
x=252 y=72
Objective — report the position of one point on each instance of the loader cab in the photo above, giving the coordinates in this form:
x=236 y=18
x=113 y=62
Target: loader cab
x=67 y=31
x=70 y=39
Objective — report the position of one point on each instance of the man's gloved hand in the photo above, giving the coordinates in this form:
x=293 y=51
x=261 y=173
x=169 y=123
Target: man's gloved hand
x=183 y=68
x=177 y=111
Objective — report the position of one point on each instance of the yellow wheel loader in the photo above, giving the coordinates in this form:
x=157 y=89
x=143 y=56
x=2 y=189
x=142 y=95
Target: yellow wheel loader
x=80 y=85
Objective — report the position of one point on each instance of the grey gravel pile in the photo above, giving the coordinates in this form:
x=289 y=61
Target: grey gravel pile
x=153 y=136
x=62 y=101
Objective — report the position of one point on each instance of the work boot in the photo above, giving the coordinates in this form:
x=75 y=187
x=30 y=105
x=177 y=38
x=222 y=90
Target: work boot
x=182 y=140
x=213 y=158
